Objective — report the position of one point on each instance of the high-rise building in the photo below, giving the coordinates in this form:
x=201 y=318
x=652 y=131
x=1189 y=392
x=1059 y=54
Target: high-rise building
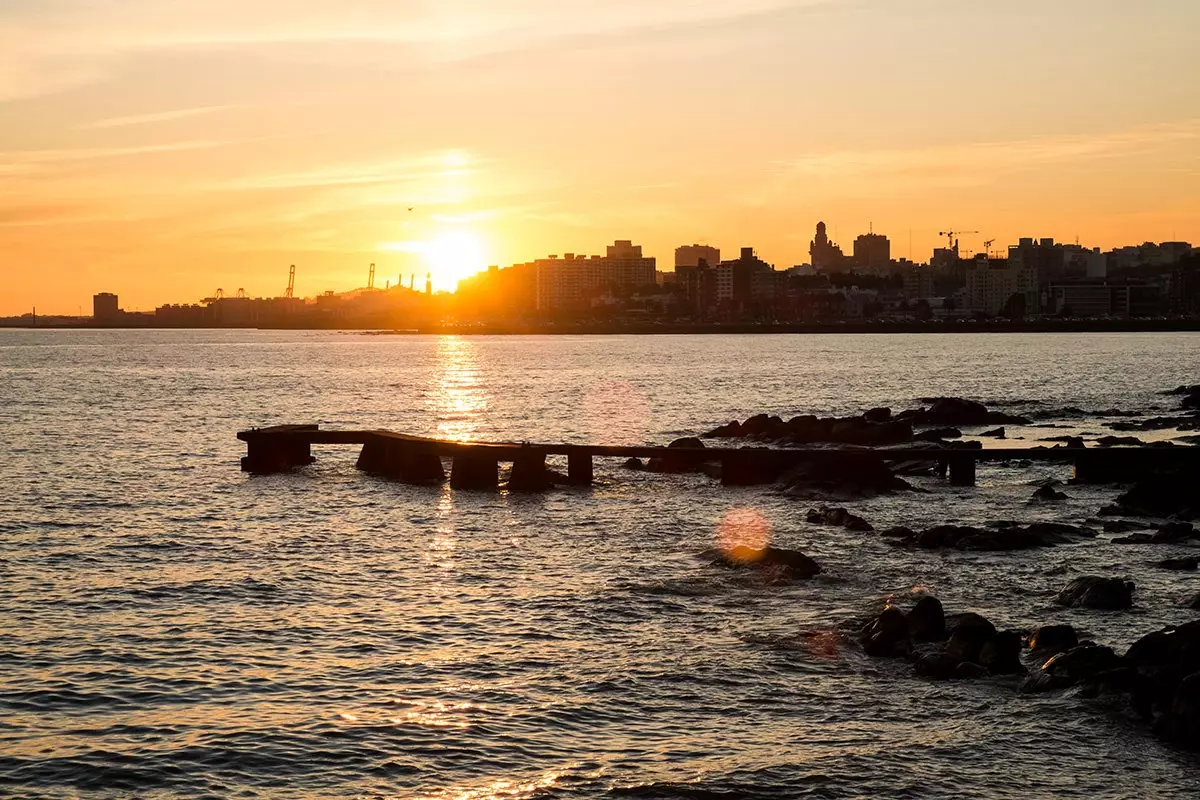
x=105 y=308
x=872 y=251
x=690 y=255
x=993 y=286
x=570 y=281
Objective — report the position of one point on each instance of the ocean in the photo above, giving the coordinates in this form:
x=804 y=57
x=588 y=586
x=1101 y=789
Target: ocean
x=171 y=627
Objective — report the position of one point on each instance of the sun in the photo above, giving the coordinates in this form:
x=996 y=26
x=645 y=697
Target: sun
x=452 y=256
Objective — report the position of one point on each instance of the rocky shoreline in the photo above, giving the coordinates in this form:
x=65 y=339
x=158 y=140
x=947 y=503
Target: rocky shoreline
x=1156 y=680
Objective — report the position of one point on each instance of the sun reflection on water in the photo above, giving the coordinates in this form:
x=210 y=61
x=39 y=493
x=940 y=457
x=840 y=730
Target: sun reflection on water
x=458 y=397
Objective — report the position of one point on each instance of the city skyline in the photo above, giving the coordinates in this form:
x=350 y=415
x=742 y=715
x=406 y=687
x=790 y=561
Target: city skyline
x=163 y=156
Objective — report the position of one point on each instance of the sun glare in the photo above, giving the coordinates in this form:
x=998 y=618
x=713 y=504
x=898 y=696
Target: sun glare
x=452 y=256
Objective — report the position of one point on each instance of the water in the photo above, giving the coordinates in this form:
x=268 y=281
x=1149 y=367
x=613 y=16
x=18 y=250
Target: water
x=170 y=627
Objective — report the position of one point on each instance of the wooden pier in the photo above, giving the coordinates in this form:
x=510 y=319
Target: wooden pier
x=475 y=465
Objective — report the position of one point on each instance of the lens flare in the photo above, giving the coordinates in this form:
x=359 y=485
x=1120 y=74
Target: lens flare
x=744 y=535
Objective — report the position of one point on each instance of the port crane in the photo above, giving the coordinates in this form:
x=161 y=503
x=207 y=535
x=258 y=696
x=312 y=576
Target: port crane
x=371 y=278
x=291 y=281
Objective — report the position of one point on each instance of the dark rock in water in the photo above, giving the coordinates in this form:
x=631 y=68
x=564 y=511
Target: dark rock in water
x=1049 y=494
x=1164 y=661
x=838 y=516
x=878 y=415
x=853 y=477
x=778 y=560
x=1194 y=603
x=1001 y=654
x=1157 y=424
x=690 y=442
x=1119 y=441
x=1174 y=532
x=968 y=632
x=927 y=620
x=1004 y=537
x=1164 y=495
x=886 y=636
x=676 y=463
x=898 y=532
x=729 y=430
x=969 y=669
x=1069 y=668
x=633 y=463
x=1191 y=397
x=937 y=434
x=1094 y=591
x=1179 y=564
x=995 y=433
x=1180 y=721
x=938 y=666
x=959 y=411
x=1135 y=538
x=1050 y=638
x=1122 y=526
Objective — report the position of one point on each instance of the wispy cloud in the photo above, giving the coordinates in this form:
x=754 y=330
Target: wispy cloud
x=154 y=117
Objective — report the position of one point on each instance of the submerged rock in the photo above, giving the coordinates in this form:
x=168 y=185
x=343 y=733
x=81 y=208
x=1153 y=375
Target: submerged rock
x=1004 y=536
x=781 y=561
x=1053 y=638
x=837 y=516
x=1098 y=592
x=1179 y=564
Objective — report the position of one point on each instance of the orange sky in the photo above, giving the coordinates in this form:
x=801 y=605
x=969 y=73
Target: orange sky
x=161 y=150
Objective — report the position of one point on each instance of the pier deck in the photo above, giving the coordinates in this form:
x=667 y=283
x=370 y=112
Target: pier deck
x=475 y=465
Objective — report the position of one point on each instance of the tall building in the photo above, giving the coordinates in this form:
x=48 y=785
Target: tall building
x=690 y=255
x=993 y=286
x=872 y=251
x=745 y=281
x=571 y=281
x=826 y=256
x=105 y=308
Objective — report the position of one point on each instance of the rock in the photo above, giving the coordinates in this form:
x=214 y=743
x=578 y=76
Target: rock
x=852 y=477
x=995 y=433
x=1094 y=591
x=968 y=632
x=1163 y=495
x=1174 y=533
x=1053 y=638
x=856 y=523
x=1164 y=661
x=878 y=415
x=887 y=635
x=898 y=532
x=1119 y=441
x=1194 y=603
x=959 y=411
x=937 y=434
x=927 y=620
x=1122 y=526
x=1180 y=721
x=633 y=463
x=938 y=666
x=1006 y=536
x=779 y=561
x=729 y=430
x=1179 y=564
x=1049 y=494
x=968 y=669
x=1135 y=538
x=1001 y=654
x=1073 y=666
x=688 y=442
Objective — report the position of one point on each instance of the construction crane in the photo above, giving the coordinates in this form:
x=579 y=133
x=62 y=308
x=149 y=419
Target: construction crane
x=987 y=247
x=952 y=238
x=371 y=278
x=291 y=281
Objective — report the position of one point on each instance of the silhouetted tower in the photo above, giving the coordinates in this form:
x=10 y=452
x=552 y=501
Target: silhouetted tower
x=371 y=278
x=291 y=281
x=428 y=283
x=412 y=279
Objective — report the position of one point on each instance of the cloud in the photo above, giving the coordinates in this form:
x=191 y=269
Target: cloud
x=159 y=116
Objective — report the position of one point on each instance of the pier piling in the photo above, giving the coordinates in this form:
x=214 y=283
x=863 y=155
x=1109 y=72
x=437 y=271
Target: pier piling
x=473 y=471
x=579 y=468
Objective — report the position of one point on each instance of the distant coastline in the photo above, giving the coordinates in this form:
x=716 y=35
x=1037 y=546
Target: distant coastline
x=1165 y=325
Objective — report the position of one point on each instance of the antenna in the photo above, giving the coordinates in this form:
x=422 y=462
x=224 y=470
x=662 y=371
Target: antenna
x=291 y=281
x=371 y=278
x=411 y=279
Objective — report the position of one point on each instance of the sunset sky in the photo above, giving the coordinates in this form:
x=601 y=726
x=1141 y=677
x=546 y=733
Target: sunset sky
x=160 y=149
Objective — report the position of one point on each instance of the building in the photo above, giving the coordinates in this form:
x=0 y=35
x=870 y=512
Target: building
x=574 y=280
x=690 y=255
x=105 y=308
x=746 y=283
x=873 y=251
x=918 y=283
x=1100 y=298
x=995 y=286
x=825 y=255
x=1048 y=259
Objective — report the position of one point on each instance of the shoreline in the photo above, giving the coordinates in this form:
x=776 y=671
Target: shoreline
x=1178 y=325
